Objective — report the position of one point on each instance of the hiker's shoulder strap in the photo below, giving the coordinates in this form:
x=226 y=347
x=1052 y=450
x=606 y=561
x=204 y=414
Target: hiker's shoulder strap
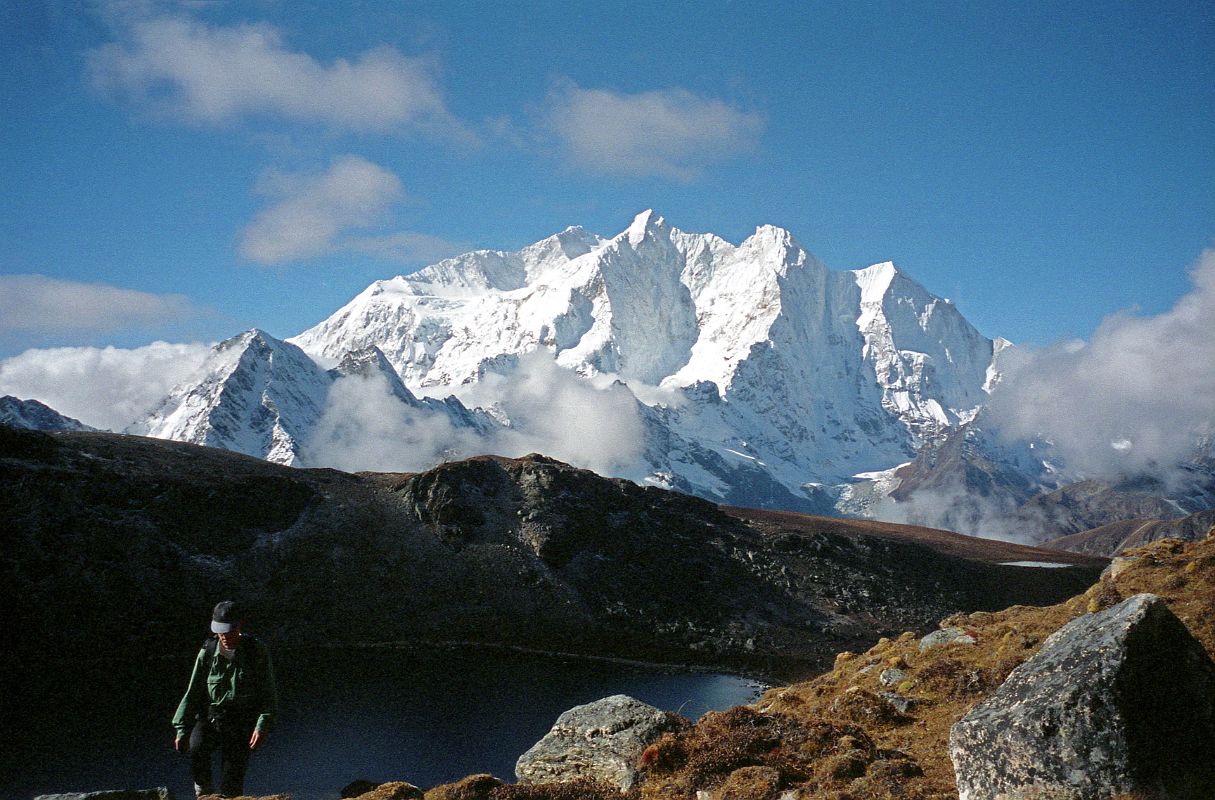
x=209 y=648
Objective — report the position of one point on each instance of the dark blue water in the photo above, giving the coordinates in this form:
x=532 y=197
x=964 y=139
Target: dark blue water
x=378 y=715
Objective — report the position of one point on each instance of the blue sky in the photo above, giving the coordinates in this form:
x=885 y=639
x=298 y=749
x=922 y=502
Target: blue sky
x=186 y=171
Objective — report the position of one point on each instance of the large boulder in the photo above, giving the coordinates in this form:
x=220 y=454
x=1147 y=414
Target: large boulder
x=600 y=741
x=1117 y=702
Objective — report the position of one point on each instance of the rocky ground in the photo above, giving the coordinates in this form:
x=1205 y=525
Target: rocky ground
x=139 y=536
x=876 y=725
x=142 y=535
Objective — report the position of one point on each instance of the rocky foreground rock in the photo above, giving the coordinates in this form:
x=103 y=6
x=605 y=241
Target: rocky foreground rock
x=1117 y=702
x=601 y=741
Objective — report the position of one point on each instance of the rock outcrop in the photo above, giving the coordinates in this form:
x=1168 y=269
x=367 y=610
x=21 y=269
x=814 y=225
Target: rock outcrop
x=159 y=793
x=1117 y=702
x=602 y=741
x=393 y=790
x=527 y=552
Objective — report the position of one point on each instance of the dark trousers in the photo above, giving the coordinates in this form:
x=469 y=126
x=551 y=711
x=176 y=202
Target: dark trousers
x=232 y=742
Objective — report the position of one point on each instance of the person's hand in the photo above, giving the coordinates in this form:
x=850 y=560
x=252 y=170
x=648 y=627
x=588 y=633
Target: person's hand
x=256 y=739
x=179 y=743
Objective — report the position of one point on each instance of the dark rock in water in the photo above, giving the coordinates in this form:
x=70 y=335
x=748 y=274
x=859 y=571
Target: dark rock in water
x=159 y=793
x=602 y=741
x=1117 y=702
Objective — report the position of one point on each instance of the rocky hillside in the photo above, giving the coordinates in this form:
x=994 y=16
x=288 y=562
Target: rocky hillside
x=527 y=552
x=877 y=725
x=880 y=719
x=1112 y=539
x=971 y=479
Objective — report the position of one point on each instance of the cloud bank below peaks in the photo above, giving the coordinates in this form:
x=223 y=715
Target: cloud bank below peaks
x=1138 y=397
x=593 y=424
x=365 y=427
x=107 y=388
x=543 y=408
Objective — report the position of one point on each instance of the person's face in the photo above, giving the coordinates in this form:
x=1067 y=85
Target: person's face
x=228 y=640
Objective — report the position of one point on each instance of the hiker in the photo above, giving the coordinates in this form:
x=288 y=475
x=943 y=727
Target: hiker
x=228 y=706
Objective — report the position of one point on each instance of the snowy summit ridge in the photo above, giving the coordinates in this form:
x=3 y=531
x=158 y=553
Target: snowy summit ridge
x=814 y=375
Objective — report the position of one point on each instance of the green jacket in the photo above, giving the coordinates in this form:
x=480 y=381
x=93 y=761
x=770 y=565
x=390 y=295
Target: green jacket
x=242 y=687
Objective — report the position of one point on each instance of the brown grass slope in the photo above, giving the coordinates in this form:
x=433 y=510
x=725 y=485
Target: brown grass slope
x=877 y=752
x=834 y=737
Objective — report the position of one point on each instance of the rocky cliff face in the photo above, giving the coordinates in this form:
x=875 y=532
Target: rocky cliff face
x=525 y=552
x=970 y=479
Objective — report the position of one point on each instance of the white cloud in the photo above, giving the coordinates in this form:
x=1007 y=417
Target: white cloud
x=314 y=214
x=41 y=304
x=962 y=510
x=671 y=133
x=366 y=428
x=211 y=74
x=1137 y=397
x=555 y=412
x=551 y=411
x=103 y=387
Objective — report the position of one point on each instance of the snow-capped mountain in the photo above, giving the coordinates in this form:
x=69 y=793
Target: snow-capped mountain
x=748 y=374
x=264 y=397
x=775 y=368
x=32 y=415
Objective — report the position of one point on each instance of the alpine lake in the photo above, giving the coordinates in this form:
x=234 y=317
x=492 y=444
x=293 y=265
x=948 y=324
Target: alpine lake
x=378 y=714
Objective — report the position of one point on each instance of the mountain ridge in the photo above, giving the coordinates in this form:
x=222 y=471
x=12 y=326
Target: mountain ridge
x=749 y=374
x=821 y=374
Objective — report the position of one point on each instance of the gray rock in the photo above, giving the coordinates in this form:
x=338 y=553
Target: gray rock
x=1117 y=702
x=945 y=636
x=159 y=793
x=898 y=702
x=892 y=677
x=602 y=741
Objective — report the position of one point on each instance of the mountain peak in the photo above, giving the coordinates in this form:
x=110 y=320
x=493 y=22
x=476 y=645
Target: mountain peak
x=644 y=223
x=245 y=339
x=33 y=415
x=768 y=231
